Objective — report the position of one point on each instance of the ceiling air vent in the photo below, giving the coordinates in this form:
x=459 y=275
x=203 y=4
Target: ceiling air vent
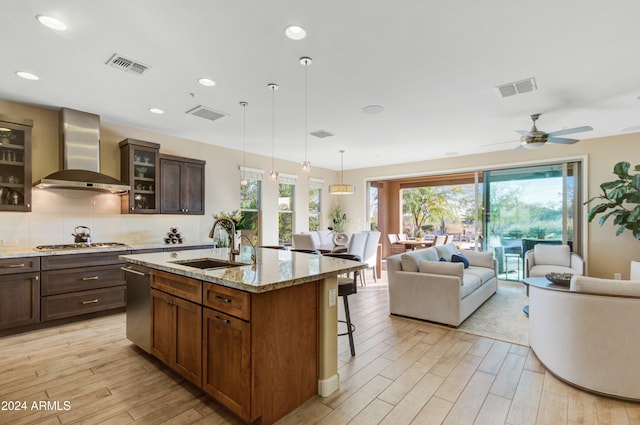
x=127 y=65
x=321 y=134
x=517 y=87
x=206 y=113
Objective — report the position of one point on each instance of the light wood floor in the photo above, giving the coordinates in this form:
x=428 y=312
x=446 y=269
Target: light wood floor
x=405 y=372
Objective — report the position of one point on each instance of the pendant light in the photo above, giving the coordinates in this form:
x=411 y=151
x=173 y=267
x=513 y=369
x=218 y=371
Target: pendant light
x=306 y=61
x=243 y=179
x=342 y=188
x=273 y=174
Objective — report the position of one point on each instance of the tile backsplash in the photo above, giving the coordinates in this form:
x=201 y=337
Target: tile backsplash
x=56 y=213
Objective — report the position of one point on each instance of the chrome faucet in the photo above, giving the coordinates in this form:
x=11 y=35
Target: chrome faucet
x=232 y=251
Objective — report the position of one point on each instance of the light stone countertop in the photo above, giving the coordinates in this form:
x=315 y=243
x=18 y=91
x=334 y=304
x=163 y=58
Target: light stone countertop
x=9 y=252
x=274 y=269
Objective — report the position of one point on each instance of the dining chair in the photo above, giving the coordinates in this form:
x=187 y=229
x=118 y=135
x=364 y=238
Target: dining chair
x=303 y=241
x=370 y=254
x=440 y=240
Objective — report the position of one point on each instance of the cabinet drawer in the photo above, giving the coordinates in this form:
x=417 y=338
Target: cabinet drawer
x=73 y=280
x=19 y=265
x=180 y=286
x=228 y=300
x=75 y=304
x=68 y=261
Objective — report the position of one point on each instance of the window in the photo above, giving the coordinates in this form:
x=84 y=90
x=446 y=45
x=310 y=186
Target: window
x=315 y=203
x=286 y=206
x=250 y=204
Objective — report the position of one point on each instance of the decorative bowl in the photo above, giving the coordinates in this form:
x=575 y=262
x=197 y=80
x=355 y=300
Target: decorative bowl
x=559 y=278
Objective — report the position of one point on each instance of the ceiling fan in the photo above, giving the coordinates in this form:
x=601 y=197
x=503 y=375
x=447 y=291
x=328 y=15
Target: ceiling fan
x=535 y=138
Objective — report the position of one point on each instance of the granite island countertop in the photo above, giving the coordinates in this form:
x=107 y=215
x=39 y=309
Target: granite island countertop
x=274 y=268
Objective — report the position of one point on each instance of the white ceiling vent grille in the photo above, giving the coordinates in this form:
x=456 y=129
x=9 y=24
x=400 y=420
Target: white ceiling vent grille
x=206 y=113
x=517 y=87
x=321 y=134
x=127 y=65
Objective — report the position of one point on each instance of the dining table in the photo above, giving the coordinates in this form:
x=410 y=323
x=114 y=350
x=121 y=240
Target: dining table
x=413 y=244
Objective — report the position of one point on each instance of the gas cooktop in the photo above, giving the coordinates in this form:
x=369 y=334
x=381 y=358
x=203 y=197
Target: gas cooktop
x=84 y=245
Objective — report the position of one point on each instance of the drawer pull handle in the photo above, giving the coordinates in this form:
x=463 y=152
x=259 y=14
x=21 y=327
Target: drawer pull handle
x=12 y=266
x=126 y=269
x=90 y=278
x=223 y=299
x=90 y=301
x=225 y=321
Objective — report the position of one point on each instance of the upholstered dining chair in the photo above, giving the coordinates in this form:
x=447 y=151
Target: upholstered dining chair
x=370 y=254
x=303 y=241
x=439 y=240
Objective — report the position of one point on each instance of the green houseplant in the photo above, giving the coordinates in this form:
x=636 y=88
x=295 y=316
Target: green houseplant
x=621 y=200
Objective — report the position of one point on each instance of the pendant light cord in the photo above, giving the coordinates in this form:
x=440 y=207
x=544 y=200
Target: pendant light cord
x=306 y=106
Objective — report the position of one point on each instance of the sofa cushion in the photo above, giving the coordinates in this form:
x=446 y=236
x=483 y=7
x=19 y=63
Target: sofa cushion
x=460 y=258
x=482 y=273
x=470 y=284
x=410 y=261
x=436 y=267
x=446 y=251
x=595 y=285
x=481 y=259
x=553 y=255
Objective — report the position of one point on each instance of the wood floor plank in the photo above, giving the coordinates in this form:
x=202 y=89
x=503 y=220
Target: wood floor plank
x=402 y=373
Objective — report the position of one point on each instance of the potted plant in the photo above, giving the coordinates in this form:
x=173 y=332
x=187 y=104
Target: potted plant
x=419 y=234
x=337 y=217
x=621 y=200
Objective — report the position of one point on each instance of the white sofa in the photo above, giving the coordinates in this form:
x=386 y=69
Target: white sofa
x=422 y=287
x=585 y=336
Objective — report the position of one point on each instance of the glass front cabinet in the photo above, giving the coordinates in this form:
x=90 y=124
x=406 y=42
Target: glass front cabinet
x=139 y=168
x=15 y=163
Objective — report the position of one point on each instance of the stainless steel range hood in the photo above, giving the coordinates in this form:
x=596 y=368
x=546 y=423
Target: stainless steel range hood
x=80 y=156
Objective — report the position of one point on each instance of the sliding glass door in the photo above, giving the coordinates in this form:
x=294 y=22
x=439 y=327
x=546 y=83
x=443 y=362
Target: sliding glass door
x=530 y=205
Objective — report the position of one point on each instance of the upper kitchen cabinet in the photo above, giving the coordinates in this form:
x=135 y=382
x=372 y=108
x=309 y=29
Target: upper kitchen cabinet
x=15 y=163
x=181 y=185
x=140 y=169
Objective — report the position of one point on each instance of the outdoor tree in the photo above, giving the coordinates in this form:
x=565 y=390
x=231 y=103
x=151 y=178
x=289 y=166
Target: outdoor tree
x=430 y=205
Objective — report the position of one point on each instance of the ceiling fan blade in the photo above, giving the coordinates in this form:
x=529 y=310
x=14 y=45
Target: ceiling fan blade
x=517 y=148
x=630 y=129
x=570 y=131
x=524 y=133
x=562 y=140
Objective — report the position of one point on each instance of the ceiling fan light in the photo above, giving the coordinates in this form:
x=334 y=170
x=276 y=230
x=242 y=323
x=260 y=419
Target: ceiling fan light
x=532 y=145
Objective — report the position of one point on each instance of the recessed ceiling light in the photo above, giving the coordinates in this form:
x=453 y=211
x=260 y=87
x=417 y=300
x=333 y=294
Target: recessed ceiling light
x=373 y=109
x=156 y=111
x=207 y=82
x=52 y=23
x=27 y=75
x=295 y=32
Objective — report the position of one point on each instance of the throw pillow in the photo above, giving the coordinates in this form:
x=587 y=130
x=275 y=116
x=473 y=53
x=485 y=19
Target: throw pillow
x=552 y=255
x=447 y=250
x=409 y=263
x=459 y=258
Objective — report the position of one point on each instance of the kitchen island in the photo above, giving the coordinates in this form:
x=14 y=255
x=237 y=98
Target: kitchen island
x=259 y=338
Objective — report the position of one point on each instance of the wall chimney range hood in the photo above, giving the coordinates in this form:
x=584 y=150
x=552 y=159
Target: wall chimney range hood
x=80 y=156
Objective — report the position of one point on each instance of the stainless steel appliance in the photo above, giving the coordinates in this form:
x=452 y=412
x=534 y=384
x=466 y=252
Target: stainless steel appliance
x=138 y=305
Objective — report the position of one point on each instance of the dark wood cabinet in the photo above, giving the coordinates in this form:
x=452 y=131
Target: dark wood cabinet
x=181 y=185
x=19 y=292
x=140 y=169
x=176 y=324
x=15 y=163
x=77 y=284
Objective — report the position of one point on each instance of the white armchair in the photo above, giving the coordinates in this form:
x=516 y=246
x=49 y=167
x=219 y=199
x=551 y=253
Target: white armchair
x=543 y=259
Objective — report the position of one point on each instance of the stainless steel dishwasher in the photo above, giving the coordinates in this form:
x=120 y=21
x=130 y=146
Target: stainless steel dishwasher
x=138 y=305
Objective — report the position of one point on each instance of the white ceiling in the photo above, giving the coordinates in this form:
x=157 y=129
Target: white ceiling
x=433 y=65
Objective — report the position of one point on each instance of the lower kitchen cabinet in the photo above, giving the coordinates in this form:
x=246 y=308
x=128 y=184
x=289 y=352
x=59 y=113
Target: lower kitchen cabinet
x=176 y=326
x=227 y=361
x=77 y=284
x=19 y=291
x=19 y=299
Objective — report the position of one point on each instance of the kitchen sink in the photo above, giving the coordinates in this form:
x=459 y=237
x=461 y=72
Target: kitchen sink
x=208 y=263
